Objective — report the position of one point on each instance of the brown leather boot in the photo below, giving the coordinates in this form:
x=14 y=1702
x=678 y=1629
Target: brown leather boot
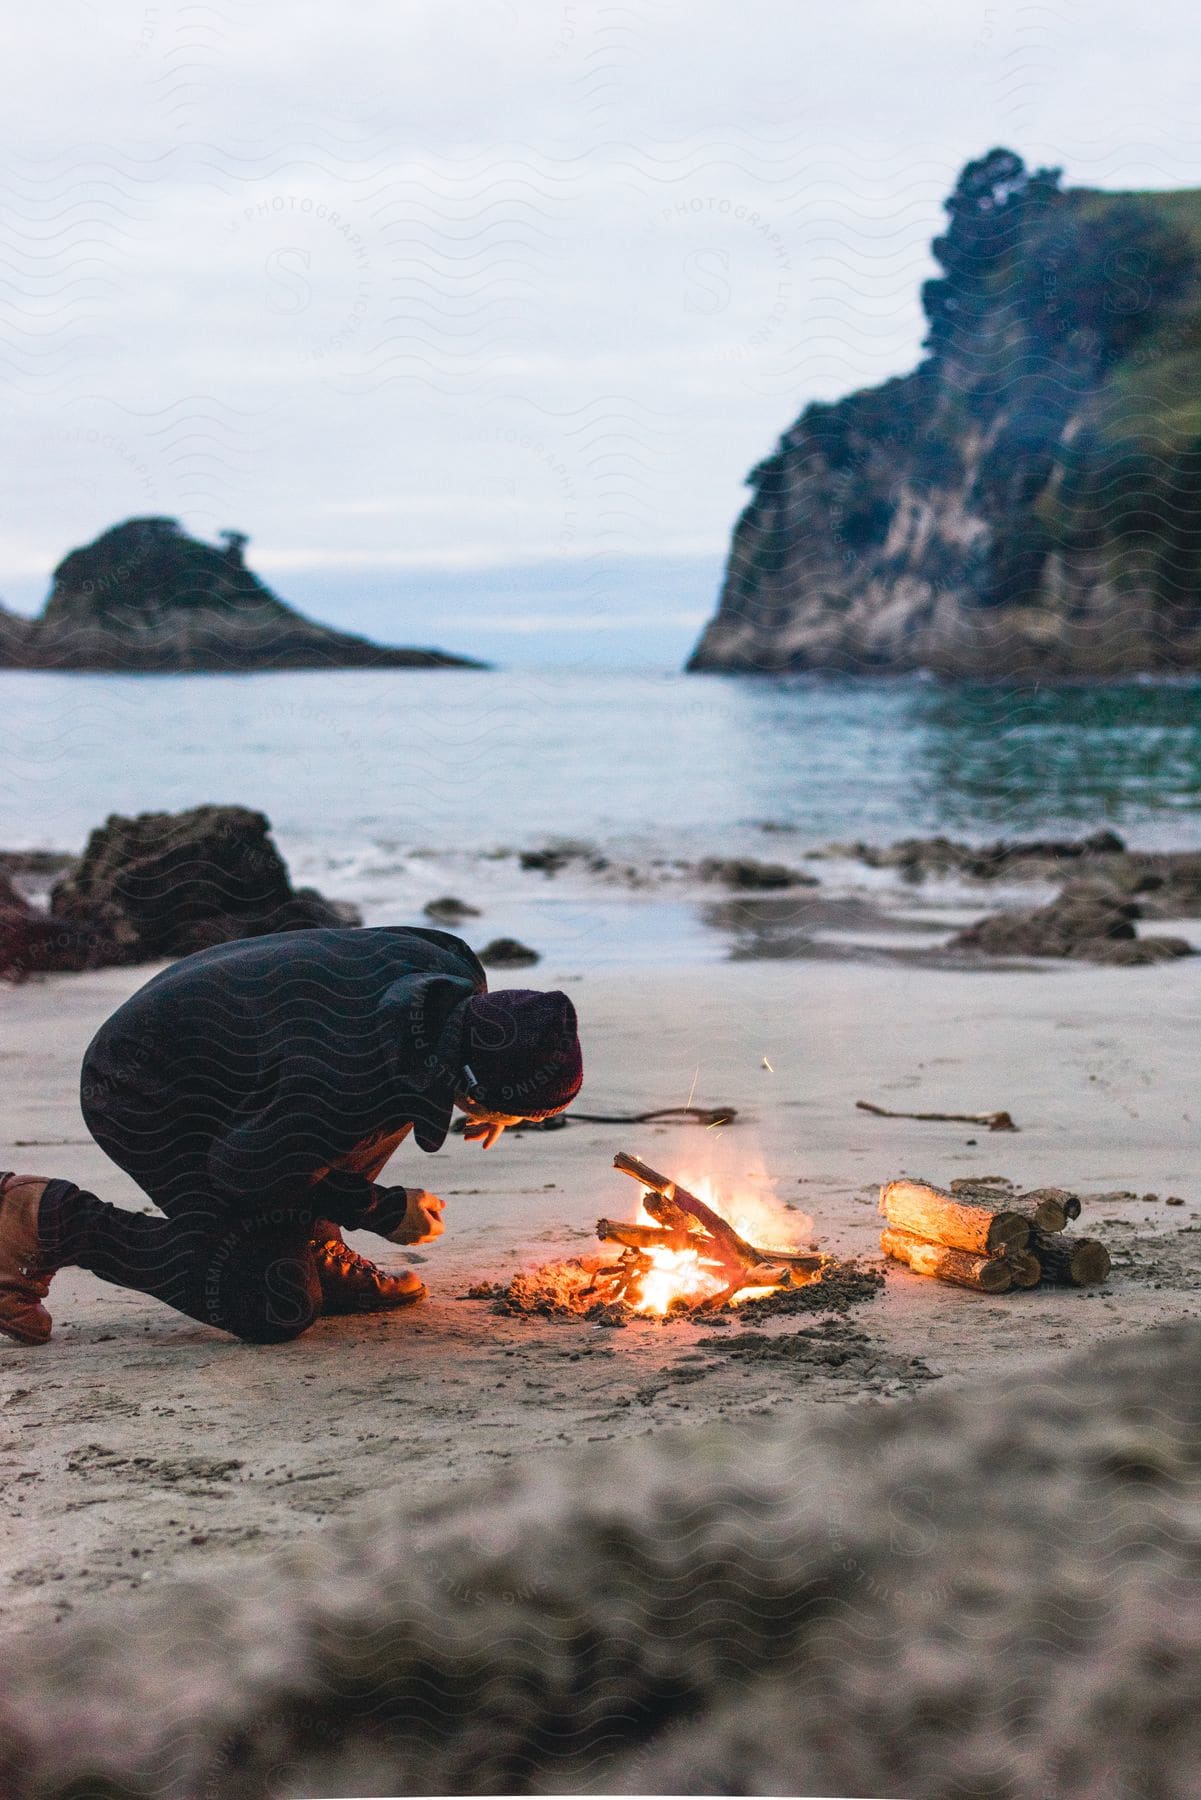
x=350 y=1284
x=24 y=1274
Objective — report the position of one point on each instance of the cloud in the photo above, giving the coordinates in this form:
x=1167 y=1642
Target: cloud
x=475 y=281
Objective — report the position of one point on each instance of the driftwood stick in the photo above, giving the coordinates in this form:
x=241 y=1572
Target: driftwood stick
x=1071 y=1261
x=987 y=1274
x=996 y=1121
x=702 y=1115
x=959 y=1223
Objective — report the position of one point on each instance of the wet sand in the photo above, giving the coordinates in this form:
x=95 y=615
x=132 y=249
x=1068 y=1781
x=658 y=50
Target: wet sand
x=138 y=1446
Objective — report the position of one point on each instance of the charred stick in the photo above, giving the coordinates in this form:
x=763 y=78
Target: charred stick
x=666 y=1212
x=646 y=1237
x=688 y=1203
x=801 y=1265
x=794 y=1265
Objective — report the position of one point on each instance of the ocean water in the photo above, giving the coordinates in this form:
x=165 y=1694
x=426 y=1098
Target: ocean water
x=390 y=787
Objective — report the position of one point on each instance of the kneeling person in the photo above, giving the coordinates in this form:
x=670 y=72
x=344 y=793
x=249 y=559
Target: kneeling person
x=254 y=1092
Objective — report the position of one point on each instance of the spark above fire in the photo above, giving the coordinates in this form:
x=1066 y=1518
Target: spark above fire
x=688 y=1252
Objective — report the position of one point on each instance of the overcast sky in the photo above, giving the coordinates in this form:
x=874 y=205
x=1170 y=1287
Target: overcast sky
x=475 y=313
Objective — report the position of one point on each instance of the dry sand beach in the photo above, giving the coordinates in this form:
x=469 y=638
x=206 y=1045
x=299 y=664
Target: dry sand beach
x=139 y=1447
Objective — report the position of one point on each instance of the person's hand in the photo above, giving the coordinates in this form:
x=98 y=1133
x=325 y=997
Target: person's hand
x=422 y=1221
x=483 y=1131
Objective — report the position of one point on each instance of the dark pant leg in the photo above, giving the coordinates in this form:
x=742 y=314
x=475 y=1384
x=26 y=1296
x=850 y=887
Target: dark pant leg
x=246 y=1270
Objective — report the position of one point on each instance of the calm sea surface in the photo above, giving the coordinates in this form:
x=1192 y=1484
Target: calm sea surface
x=361 y=773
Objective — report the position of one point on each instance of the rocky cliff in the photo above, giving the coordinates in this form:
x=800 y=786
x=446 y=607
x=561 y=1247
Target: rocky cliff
x=146 y=598
x=1027 y=502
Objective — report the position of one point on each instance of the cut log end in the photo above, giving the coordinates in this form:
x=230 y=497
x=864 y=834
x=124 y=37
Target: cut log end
x=1072 y=1262
x=1050 y=1208
x=1027 y=1270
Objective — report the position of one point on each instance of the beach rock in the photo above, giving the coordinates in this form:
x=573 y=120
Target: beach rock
x=166 y=884
x=146 y=597
x=1085 y=922
x=1168 y=886
x=548 y=861
x=507 y=952
x=448 y=910
x=746 y=873
x=894 y=1600
x=33 y=943
x=1002 y=512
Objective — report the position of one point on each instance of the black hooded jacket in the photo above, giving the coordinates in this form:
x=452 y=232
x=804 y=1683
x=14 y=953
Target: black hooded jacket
x=275 y=1058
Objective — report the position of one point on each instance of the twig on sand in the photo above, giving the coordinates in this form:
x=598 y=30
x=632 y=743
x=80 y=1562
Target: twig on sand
x=996 y=1121
x=684 y=1115
x=710 y=1116
x=46 y=1143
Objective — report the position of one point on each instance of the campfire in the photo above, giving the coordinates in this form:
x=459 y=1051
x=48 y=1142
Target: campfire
x=683 y=1253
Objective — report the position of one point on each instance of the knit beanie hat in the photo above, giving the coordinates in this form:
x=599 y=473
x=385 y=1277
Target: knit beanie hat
x=523 y=1048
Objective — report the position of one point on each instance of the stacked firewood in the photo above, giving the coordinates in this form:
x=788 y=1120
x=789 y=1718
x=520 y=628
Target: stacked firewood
x=988 y=1236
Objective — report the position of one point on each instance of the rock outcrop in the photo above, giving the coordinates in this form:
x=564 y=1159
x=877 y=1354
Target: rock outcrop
x=989 y=1591
x=508 y=953
x=1026 y=503
x=33 y=942
x=1086 y=922
x=161 y=885
x=146 y=598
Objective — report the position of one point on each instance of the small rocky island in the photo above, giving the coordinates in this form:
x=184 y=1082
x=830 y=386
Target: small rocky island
x=145 y=598
x=1027 y=503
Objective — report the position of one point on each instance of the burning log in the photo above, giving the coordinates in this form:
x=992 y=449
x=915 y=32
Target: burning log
x=671 y=1199
x=976 y=1226
x=713 y=1263
x=988 y=1274
x=1072 y=1262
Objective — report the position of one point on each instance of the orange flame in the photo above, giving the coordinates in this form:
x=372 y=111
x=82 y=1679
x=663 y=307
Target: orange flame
x=685 y=1278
